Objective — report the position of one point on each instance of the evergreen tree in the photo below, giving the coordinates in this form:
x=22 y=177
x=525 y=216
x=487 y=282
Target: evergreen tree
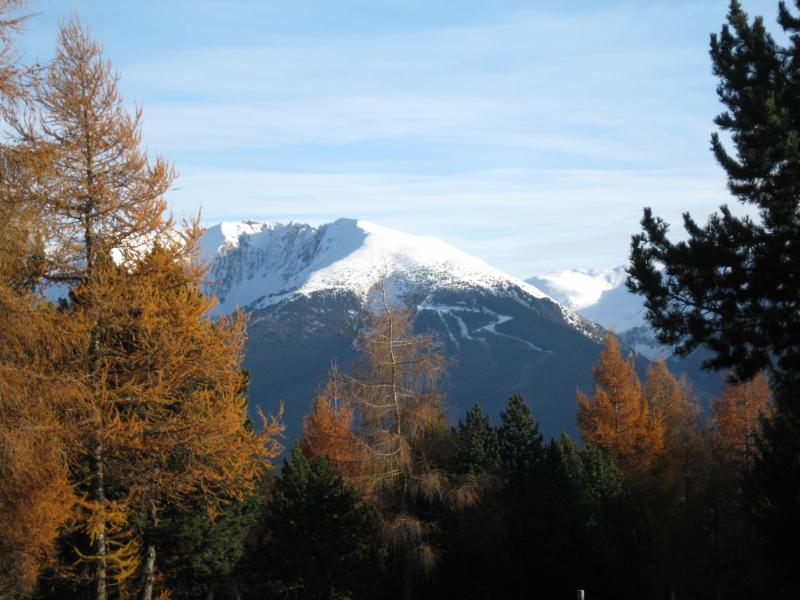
x=772 y=486
x=317 y=539
x=519 y=440
x=476 y=443
x=198 y=554
x=522 y=473
x=733 y=286
x=594 y=535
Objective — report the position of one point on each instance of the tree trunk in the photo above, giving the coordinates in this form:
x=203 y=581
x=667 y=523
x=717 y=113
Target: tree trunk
x=149 y=572
x=100 y=567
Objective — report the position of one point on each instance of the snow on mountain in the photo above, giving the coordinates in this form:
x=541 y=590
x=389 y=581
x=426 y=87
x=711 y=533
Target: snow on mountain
x=599 y=295
x=307 y=289
x=256 y=264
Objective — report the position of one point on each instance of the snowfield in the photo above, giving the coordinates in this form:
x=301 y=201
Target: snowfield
x=255 y=264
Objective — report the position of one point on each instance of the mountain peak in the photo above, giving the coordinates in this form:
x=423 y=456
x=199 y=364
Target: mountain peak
x=262 y=262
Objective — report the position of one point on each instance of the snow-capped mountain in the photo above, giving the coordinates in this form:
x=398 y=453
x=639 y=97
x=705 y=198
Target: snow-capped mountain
x=256 y=264
x=306 y=289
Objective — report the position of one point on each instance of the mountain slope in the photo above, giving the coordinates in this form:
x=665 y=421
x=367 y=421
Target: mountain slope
x=260 y=263
x=307 y=290
x=600 y=295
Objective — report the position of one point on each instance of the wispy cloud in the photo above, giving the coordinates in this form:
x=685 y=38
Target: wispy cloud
x=524 y=221
x=530 y=134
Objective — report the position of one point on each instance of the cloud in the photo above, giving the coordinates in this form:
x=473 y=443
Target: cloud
x=530 y=134
x=523 y=221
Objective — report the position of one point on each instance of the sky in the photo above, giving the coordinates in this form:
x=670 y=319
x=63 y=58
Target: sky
x=528 y=133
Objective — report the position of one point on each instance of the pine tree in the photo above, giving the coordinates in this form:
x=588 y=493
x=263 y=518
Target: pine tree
x=772 y=486
x=733 y=285
x=522 y=475
x=519 y=440
x=617 y=418
x=477 y=444
x=317 y=539
x=593 y=535
x=199 y=555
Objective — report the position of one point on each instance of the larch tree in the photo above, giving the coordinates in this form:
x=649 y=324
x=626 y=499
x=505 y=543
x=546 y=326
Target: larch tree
x=672 y=402
x=36 y=499
x=737 y=414
x=398 y=424
x=161 y=416
x=105 y=199
x=172 y=375
x=399 y=409
x=328 y=428
x=616 y=417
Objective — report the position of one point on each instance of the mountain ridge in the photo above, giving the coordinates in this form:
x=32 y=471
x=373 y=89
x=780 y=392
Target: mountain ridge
x=306 y=290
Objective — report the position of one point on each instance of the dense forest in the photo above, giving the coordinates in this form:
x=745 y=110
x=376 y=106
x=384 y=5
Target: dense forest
x=129 y=467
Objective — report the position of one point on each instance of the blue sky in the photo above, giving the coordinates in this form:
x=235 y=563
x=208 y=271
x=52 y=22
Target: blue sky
x=527 y=133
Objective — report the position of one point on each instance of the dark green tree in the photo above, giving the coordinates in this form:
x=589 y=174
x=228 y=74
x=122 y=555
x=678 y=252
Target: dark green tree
x=317 y=539
x=772 y=487
x=734 y=285
x=522 y=476
x=593 y=532
x=519 y=441
x=476 y=443
x=199 y=554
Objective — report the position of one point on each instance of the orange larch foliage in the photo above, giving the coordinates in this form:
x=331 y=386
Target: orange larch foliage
x=672 y=402
x=103 y=198
x=172 y=379
x=616 y=416
x=160 y=416
x=394 y=407
x=36 y=499
x=327 y=430
x=736 y=416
